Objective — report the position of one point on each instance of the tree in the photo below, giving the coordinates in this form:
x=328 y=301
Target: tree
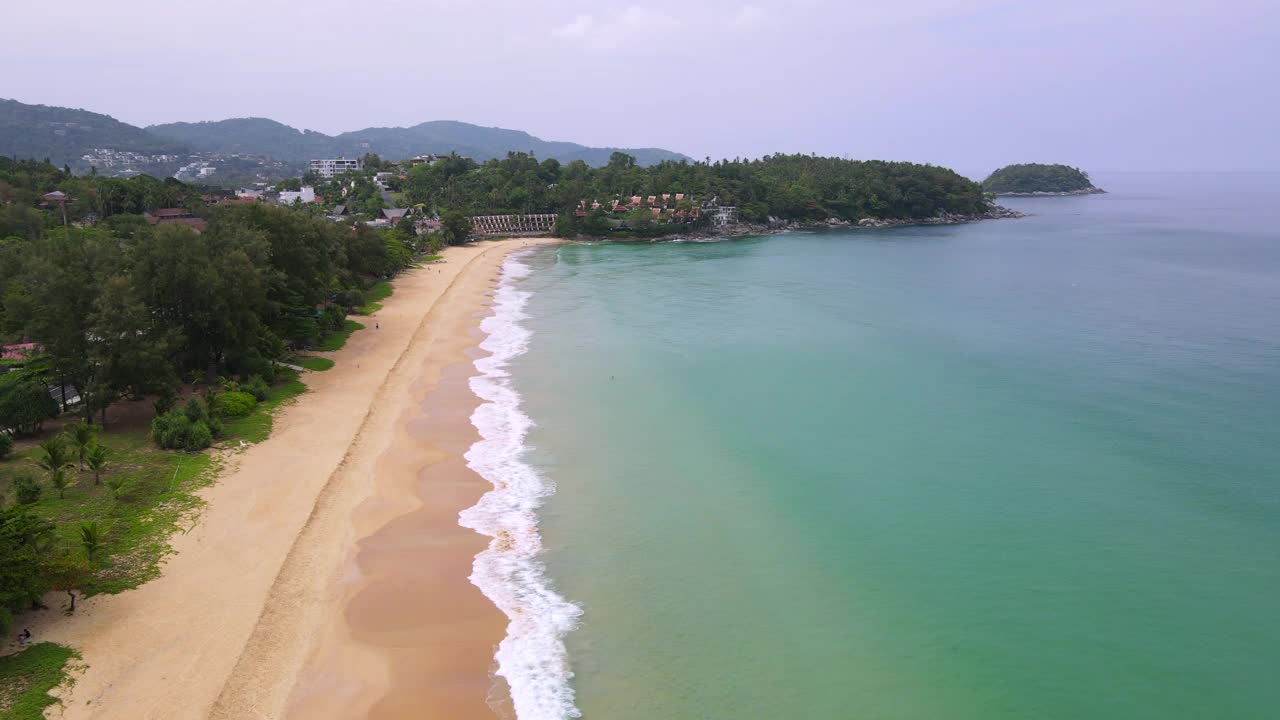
x=82 y=437
x=596 y=223
x=59 y=478
x=67 y=572
x=24 y=404
x=90 y=539
x=23 y=538
x=132 y=356
x=53 y=454
x=455 y=226
x=98 y=460
x=116 y=484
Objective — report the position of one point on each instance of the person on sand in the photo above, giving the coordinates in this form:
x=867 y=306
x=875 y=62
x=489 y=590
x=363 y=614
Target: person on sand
x=24 y=637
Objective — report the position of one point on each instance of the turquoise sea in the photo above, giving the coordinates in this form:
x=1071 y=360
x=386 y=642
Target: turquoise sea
x=1013 y=469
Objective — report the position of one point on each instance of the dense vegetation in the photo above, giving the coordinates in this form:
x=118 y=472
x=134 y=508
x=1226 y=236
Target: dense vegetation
x=124 y=308
x=1037 y=177
x=64 y=134
x=187 y=326
x=789 y=187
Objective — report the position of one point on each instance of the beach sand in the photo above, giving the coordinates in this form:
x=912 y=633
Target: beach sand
x=328 y=576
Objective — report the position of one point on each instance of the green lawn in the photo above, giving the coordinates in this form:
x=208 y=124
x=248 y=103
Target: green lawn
x=27 y=677
x=311 y=362
x=336 y=339
x=374 y=296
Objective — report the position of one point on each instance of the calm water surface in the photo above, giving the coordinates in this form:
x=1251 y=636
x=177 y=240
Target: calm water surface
x=1014 y=469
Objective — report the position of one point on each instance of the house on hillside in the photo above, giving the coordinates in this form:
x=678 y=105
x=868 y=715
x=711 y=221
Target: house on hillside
x=395 y=215
x=175 y=216
x=288 y=197
x=329 y=168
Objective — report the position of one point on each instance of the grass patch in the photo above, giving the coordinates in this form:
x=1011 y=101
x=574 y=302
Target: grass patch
x=336 y=339
x=374 y=296
x=311 y=362
x=257 y=426
x=27 y=677
x=158 y=495
x=431 y=258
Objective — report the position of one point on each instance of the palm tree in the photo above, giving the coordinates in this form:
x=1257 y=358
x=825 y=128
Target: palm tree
x=90 y=539
x=59 y=479
x=116 y=484
x=53 y=454
x=82 y=435
x=97 y=461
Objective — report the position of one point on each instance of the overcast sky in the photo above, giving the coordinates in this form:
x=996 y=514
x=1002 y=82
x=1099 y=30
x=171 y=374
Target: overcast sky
x=972 y=84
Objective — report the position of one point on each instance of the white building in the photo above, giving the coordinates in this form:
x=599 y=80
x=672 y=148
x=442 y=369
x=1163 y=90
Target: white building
x=306 y=195
x=334 y=167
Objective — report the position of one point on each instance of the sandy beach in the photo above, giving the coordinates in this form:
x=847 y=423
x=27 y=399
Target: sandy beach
x=327 y=577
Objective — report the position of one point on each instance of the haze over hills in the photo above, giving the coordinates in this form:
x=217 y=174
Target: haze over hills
x=65 y=135
x=263 y=136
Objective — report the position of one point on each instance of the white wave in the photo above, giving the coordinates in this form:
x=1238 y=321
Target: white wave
x=532 y=657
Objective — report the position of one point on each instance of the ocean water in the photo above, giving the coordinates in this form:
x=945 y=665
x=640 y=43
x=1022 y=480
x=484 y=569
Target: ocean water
x=1014 y=469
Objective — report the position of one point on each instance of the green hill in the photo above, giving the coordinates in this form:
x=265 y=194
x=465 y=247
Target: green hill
x=258 y=136
x=65 y=134
x=268 y=137
x=1032 y=178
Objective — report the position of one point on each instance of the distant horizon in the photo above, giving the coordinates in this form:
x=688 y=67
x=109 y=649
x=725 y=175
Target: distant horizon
x=696 y=157
x=966 y=84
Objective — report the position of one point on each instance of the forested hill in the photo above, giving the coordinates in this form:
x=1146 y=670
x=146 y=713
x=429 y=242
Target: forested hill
x=787 y=187
x=64 y=134
x=261 y=136
x=1032 y=178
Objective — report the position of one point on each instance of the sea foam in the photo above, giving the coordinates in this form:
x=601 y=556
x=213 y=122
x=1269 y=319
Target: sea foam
x=532 y=657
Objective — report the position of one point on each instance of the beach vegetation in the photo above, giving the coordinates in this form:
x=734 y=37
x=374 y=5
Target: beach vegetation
x=311 y=362
x=6 y=445
x=257 y=387
x=97 y=460
x=336 y=339
x=27 y=677
x=27 y=489
x=82 y=436
x=235 y=404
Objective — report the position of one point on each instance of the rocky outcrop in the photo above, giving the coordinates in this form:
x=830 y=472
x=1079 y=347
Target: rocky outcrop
x=1086 y=191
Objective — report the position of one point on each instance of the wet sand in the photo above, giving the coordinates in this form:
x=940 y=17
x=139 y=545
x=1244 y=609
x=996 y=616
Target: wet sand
x=328 y=576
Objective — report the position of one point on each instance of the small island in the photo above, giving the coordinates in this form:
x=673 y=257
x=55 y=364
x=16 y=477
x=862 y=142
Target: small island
x=1039 y=179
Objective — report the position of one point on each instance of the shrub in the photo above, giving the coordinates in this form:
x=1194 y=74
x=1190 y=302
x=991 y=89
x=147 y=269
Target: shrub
x=235 y=404
x=165 y=401
x=175 y=430
x=25 y=405
x=6 y=445
x=257 y=387
x=27 y=489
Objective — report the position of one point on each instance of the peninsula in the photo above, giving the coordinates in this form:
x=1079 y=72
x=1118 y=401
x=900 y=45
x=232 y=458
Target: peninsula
x=1032 y=179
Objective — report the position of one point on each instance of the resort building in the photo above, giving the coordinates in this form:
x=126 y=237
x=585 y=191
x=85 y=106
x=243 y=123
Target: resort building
x=306 y=195
x=334 y=167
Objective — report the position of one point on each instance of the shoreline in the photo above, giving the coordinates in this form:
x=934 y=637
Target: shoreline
x=995 y=212
x=224 y=631
x=1064 y=193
